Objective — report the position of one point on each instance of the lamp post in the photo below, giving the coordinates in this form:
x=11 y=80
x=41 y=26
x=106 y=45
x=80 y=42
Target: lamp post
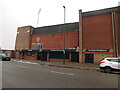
x=38 y=17
x=64 y=13
x=64 y=36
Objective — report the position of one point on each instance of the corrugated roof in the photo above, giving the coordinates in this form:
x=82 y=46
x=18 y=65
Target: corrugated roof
x=56 y=28
x=102 y=11
x=71 y=26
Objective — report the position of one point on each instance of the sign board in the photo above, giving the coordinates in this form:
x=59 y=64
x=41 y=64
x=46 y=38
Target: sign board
x=19 y=50
x=38 y=39
x=97 y=50
x=37 y=46
x=57 y=50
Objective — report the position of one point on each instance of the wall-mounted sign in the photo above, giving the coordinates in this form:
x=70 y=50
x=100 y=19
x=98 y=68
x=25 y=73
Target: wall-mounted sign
x=37 y=46
x=38 y=39
x=97 y=50
x=57 y=50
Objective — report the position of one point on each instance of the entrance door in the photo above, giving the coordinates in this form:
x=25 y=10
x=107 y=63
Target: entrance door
x=89 y=58
x=75 y=57
x=42 y=56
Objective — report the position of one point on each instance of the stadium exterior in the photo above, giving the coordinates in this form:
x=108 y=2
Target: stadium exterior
x=93 y=38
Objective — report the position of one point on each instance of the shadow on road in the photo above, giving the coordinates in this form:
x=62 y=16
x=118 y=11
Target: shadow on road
x=115 y=72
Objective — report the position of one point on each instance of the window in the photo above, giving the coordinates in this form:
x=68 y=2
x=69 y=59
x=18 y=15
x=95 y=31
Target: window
x=119 y=60
x=29 y=54
x=109 y=59
x=114 y=60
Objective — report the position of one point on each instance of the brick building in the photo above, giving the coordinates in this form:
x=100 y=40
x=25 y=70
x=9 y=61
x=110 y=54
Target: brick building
x=94 y=37
x=51 y=41
x=100 y=35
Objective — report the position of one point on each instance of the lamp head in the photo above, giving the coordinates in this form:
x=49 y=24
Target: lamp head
x=63 y=6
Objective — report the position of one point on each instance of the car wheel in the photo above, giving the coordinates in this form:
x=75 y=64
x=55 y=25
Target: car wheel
x=107 y=70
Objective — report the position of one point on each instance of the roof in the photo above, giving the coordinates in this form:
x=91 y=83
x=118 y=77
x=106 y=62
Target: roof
x=25 y=26
x=101 y=11
x=56 y=28
x=71 y=26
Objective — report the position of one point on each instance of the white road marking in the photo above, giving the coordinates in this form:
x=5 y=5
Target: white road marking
x=70 y=74
x=63 y=73
x=58 y=72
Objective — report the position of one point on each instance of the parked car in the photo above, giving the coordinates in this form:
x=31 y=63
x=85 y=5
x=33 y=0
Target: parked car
x=108 y=65
x=4 y=57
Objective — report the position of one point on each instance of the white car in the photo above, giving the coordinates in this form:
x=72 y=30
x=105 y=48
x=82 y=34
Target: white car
x=110 y=64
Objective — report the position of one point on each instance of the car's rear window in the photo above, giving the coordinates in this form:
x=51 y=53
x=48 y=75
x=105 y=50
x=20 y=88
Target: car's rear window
x=109 y=59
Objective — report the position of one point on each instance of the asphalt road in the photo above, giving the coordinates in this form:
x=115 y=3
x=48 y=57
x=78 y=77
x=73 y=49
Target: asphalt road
x=21 y=75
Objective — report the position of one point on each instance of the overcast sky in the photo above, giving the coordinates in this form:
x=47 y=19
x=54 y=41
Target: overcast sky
x=17 y=13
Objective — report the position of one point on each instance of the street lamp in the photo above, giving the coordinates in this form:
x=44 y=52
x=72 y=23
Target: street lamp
x=38 y=17
x=64 y=14
x=64 y=36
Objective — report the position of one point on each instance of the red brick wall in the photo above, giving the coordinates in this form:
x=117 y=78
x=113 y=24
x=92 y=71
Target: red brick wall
x=97 y=32
x=30 y=57
x=56 y=40
x=60 y=60
x=23 y=39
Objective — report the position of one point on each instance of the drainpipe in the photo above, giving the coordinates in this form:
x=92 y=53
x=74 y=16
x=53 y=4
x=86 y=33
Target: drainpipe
x=115 y=40
x=80 y=38
x=116 y=22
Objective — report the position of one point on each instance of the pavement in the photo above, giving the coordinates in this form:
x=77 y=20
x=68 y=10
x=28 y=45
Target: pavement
x=87 y=66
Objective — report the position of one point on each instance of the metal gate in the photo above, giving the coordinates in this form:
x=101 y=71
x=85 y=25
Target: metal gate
x=42 y=56
x=75 y=57
x=89 y=58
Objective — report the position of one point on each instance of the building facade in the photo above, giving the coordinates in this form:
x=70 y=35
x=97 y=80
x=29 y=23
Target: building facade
x=93 y=38
x=100 y=35
x=49 y=43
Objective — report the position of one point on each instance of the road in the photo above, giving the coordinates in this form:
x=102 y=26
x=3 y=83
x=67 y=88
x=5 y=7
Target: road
x=21 y=75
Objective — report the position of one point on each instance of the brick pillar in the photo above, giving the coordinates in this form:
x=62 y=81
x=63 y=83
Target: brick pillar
x=48 y=56
x=70 y=57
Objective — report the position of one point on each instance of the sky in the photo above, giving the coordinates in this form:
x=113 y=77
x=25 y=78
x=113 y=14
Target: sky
x=18 y=13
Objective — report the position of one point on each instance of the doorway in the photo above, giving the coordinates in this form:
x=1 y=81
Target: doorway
x=42 y=56
x=89 y=58
x=75 y=57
